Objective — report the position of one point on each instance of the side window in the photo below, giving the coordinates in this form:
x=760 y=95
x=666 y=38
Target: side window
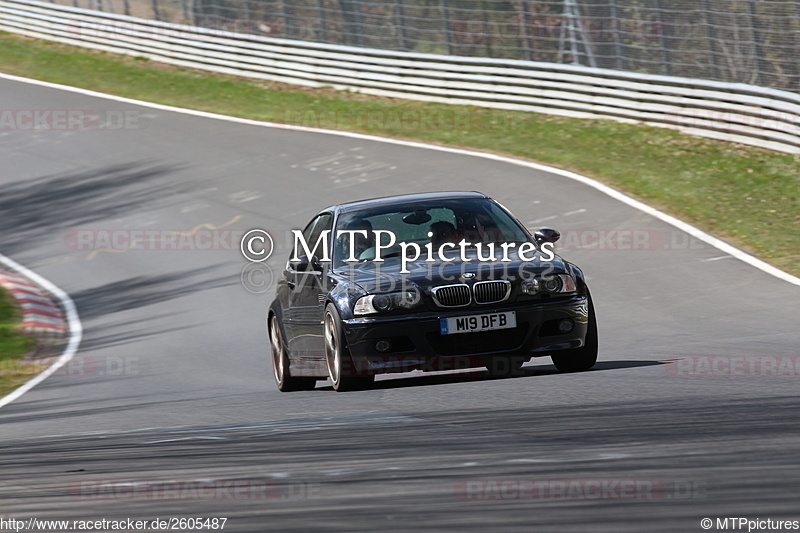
x=312 y=232
x=324 y=222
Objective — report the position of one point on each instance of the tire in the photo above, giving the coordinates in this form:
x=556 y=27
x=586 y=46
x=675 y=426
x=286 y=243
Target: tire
x=582 y=358
x=341 y=370
x=501 y=366
x=280 y=362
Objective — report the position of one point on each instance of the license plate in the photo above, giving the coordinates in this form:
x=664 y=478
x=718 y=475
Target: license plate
x=474 y=323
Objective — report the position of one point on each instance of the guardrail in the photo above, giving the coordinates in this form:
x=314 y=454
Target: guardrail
x=740 y=113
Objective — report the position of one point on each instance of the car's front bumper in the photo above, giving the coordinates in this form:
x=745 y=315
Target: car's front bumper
x=416 y=341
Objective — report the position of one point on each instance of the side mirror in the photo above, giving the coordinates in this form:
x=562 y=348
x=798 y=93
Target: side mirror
x=546 y=235
x=305 y=264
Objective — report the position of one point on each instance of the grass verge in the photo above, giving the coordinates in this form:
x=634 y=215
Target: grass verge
x=745 y=195
x=13 y=346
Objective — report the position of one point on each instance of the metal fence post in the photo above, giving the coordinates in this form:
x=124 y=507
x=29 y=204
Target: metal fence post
x=526 y=24
x=401 y=25
x=323 y=21
x=245 y=25
x=351 y=13
x=796 y=58
x=621 y=63
x=287 y=14
x=666 y=55
x=358 y=23
x=762 y=67
x=711 y=36
x=156 y=14
x=446 y=26
x=489 y=34
x=572 y=30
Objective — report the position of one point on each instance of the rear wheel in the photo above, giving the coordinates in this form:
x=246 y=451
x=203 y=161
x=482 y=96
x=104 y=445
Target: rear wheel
x=340 y=365
x=280 y=362
x=582 y=358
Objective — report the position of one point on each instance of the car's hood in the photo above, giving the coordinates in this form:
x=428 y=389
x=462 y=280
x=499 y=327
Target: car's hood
x=383 y=277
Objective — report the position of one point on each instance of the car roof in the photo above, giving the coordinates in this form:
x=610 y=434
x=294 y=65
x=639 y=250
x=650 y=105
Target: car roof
x=404 y=198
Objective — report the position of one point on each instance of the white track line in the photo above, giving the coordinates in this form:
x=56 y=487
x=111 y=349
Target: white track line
x=76 y=330
x=605 y=189
x=652 y=211
x=73 y=323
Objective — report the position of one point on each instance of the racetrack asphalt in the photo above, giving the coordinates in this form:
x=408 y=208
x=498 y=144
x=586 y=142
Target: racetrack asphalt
x=173 y=379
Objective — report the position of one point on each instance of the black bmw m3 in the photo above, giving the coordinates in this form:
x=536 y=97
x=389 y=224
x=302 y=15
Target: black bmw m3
x=438 y=281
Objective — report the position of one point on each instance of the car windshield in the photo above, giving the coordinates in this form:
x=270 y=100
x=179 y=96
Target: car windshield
x=474 y=220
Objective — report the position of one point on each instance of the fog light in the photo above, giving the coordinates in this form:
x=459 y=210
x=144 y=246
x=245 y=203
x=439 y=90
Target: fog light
x=383 y=346
x=566 y=325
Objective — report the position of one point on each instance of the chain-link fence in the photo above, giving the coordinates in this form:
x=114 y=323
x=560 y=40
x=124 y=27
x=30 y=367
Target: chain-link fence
x=748 y=41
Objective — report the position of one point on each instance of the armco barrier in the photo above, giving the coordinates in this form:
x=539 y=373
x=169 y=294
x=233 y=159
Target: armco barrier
x=741 y=113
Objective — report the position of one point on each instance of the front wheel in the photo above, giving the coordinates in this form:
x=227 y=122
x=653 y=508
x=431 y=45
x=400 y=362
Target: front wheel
x=280 y=363
x=340 y=365
x=582 y=358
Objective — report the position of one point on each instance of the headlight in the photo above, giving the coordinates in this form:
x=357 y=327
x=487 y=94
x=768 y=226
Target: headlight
x=552 y=284
x=530 y=287
x=383 y=303
x=559 y=283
